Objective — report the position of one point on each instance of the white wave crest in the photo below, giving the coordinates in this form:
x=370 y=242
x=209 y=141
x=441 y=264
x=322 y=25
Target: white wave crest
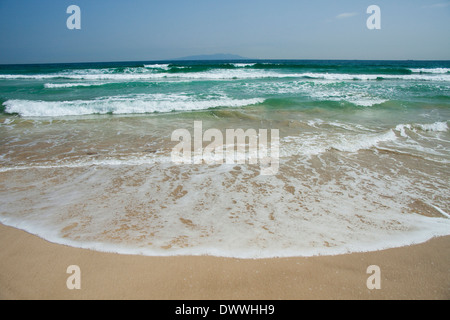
x=431 y=70
x=243 y=65
x=71 y=85
x=357 y=143
x=432 y=127
x=157 y=66
x=220 y=74
x=437 y=126
x=138 y=104
x=374 y=77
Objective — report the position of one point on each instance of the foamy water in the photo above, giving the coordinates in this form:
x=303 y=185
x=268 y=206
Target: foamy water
x=122 y=105
x=135 y=75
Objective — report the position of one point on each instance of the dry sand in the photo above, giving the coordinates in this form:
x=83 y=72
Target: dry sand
x=32 y=268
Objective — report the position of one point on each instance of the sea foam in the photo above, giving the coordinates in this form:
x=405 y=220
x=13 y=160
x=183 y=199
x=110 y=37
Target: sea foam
x=431 y=70
x=157 y=66
x=72 y=85
x=165 y=210
x=146 y=103
x=220 y=74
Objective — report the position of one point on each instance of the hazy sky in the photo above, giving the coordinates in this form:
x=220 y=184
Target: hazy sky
x=34 y=31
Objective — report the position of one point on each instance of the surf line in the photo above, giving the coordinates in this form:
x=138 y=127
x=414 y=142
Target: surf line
x=231 y=150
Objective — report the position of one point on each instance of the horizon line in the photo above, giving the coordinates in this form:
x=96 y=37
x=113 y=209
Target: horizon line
x=243 y=59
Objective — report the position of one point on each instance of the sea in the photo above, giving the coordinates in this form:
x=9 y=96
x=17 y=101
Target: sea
x=86 y=156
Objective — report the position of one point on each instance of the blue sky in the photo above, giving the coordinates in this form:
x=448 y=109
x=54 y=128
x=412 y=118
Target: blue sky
x=34 y=31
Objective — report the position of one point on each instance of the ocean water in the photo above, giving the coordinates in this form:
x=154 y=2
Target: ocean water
x=85 y=156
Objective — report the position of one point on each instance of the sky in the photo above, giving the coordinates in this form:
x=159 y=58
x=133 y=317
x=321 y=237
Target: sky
x=35 y=31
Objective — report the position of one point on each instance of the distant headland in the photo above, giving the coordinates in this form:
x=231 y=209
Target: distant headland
x=218 y=56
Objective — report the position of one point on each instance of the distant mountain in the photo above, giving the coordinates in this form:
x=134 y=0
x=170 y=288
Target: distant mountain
x=219 y=56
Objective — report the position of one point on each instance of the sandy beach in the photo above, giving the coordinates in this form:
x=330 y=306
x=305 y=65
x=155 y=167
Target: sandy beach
x=32 y=268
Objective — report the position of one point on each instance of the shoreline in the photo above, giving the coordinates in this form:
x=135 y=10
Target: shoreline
x=33 y=268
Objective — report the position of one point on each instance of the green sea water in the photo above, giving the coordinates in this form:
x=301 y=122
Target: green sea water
x=137 y=88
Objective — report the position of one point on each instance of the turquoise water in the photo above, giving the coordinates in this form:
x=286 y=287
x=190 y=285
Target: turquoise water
x=132 y=88
x=85 y=155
